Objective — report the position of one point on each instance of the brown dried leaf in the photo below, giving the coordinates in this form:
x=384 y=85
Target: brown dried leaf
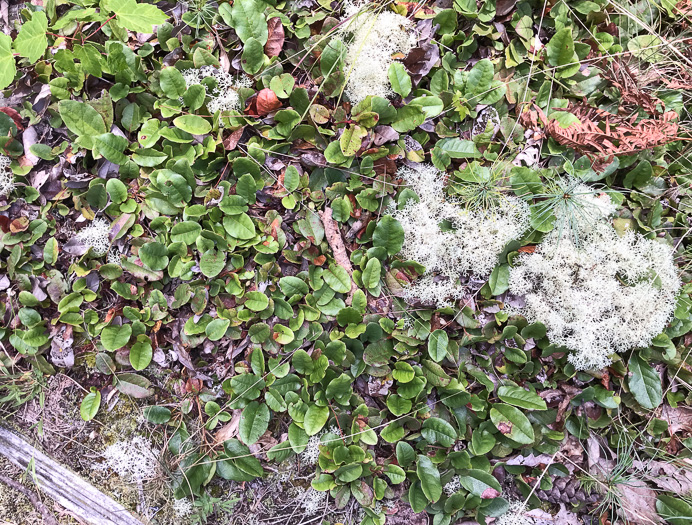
x=678 y=419
x=14 y=115
x=267 y=101
x=230 y=429
x=421 y=60
x=601 y=135
x=275 y=41
x=230 y=141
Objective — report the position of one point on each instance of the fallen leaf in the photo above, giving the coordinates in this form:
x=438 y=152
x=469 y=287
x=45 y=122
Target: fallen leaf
x=275 y=41
x=267 y=101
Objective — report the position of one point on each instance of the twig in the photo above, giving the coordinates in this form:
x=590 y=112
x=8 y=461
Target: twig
x=48 y=518
x=336 y=243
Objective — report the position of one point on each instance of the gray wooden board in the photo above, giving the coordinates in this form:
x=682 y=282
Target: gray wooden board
x=63 y=485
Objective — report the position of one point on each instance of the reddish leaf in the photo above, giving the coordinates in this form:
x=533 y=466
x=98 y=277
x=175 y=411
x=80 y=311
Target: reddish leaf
x=231 y=140
x=19 y=225
x=275 y=41
x=14 y=115
x=490 y=493
x=267 y=101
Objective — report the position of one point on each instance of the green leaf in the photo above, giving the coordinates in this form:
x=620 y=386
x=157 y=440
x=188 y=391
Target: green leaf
x=315 y=418
x=399 y=79
x=397 y=405
x=141 y=353
x=405 y=455
x=674 y=510
x=246 y=17
x=646 y=47
x=437 y=345
x=351 y=139
x=256 y=301
x=283 y=334
x=7 y=66
x=417 y=498
x=252 y=59
x=561 y=48
x=480 y=484
x=521 y=398
x=337 y=278
x=458 y=148
x=437 y=430
x=216 y=329
x=117 y=190
x=239 y=226
x=408 y=118
x=186 y=232
x=512 y=423
x=194 y=96
x=154 y=255
x=499 y=279
x=432 y=106
x=173 y=185
x=81 y=119
x=31 y=42
x=193 y=124
x=291 y=286
x=115 y=337
x=340 y=388
x=172 y=82
x=644 y=383
x=348 y=473
x=133 y=385
x=395 y=474
x=480 y=78
x=50 y=251
x=254 y=422
x=157 y=415
x=429 y=478
x=212 y=262
x=371 y=273
x=135 y=16
x=90 y=405
x=275 y=401
x=246 y=187
x=640 y=176
x=111 y=146
x=389 y=234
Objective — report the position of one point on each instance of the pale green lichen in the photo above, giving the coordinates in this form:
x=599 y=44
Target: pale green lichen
x=6 y=176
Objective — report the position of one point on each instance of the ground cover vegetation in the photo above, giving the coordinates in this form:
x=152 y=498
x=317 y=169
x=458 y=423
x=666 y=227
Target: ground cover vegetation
x=351 y=262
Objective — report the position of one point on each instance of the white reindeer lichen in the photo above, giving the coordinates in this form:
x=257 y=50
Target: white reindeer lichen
x=225 y=96
x=6 y=176
x=372 y=37
x=470 y=247
x=312 y=501
x=609 y=293
x=96 y=235
x=515 y=515
x=133 y=460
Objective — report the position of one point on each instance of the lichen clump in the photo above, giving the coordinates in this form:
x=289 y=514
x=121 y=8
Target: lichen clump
x=6 y=177
x=134 y=460
x=372 y=38
x=470 y=245
x=225 y=96
x=608 y=293
x=515 y=515
x=96 y=236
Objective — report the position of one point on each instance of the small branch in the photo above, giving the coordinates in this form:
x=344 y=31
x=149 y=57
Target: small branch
x=336 y=243
x=48 y=518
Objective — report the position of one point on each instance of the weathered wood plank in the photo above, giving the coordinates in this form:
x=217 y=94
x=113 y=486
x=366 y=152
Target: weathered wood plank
x=64 y=486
